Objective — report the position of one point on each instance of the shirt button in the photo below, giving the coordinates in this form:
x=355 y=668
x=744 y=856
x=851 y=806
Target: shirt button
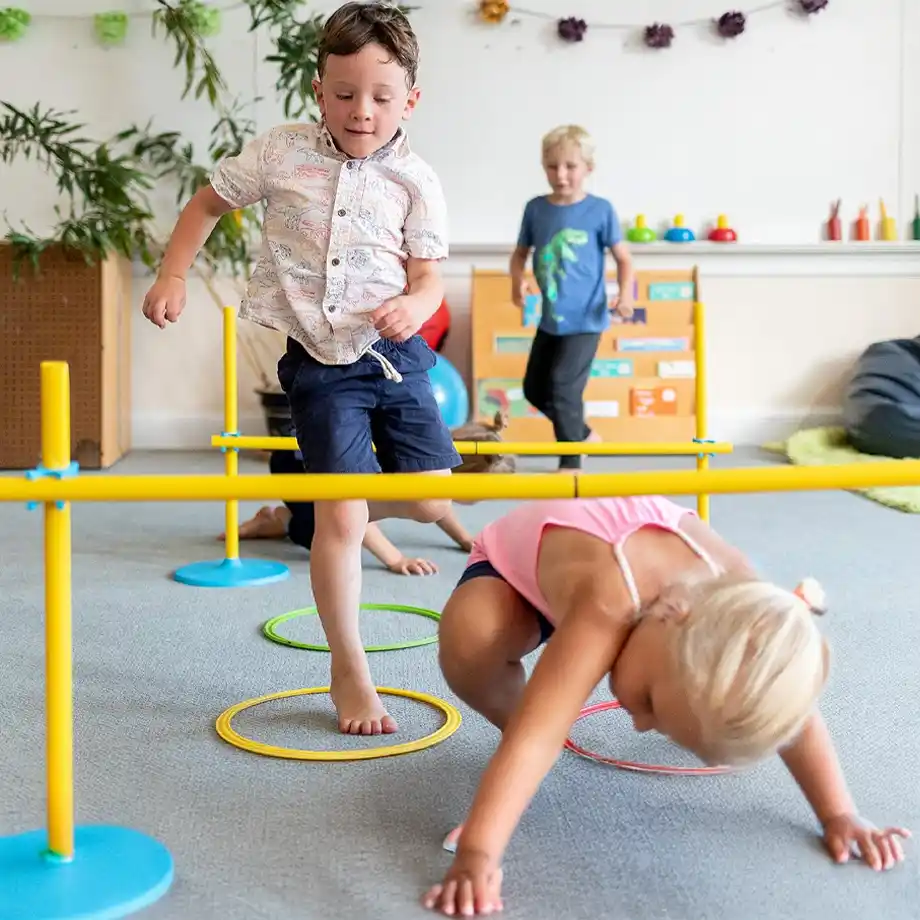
x=335 y=261
x=332 y=308
x=351 y=164
x=341 y=212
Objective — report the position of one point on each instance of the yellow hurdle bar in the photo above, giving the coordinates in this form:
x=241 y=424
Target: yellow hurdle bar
x=231 y=422
x=701 y=396
x=461 y=486
x=55 y=427
x=517 y=448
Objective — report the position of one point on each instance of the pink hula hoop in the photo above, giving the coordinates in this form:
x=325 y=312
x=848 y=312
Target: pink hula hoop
x=570 y=745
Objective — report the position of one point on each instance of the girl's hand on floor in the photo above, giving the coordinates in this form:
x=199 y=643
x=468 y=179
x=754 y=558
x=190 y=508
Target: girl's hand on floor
x=850 y=834
x=471 y=888
x=406 y=566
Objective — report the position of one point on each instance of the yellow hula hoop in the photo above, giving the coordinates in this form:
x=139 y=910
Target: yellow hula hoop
x=452 y=720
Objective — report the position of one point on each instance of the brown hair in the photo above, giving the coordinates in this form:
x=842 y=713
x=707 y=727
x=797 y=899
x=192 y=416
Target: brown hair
x=354 y=25
x=484 y=431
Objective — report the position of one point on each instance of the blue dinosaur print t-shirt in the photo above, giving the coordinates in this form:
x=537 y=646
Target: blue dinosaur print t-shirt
x=570 y=244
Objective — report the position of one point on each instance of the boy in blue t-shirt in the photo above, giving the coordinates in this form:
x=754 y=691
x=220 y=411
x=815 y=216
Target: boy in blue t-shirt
x=570 y=232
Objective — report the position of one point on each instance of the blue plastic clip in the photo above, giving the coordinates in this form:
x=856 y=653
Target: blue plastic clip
x=229 y=434
x=704 y=441
x=69 y=471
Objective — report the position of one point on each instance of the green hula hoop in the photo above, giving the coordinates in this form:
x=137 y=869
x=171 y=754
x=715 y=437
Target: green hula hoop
x=270 y=628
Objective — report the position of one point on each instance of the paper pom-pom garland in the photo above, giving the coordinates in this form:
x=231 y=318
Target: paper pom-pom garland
x=14 y=23
x=493 y=11
x=206 y=19
x=659 y=35
x=110 y=28
x=572 y=29
x=730 y=25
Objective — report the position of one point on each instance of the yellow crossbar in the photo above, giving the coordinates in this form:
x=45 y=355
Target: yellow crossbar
x=517 y=448
x=461 y=486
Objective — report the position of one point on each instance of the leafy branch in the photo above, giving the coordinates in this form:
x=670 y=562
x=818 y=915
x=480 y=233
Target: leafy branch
x=106 y=205
x=186 y=24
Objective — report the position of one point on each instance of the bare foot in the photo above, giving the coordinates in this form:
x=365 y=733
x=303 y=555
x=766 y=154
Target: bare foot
x=359 y=709
x=266 y=524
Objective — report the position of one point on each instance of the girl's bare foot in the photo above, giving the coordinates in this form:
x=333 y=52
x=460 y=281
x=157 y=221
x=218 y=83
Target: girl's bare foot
x=266 y=524
x=359 y=708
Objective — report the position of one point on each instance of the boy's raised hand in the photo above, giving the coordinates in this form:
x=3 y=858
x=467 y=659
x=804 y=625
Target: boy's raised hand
x=165 y=301
x=879 y=848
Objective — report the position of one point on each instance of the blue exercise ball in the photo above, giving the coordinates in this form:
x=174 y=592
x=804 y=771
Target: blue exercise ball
x=449 y=392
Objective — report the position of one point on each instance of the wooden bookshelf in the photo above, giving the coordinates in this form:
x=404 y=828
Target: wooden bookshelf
x=642 y=387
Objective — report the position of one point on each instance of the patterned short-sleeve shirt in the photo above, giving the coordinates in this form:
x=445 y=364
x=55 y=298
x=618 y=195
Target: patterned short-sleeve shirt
x=336 y=233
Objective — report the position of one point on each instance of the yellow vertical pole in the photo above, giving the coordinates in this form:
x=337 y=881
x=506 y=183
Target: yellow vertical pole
x=231 y=424
x=55 y=427
x=702 y=407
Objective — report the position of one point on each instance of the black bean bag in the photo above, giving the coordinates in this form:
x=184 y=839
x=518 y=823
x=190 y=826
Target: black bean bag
x=881 y=406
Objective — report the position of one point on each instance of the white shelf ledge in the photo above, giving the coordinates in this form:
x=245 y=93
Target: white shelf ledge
x=876 y=258
x=906 y=247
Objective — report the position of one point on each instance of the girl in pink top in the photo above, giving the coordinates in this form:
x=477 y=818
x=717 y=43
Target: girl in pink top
x=695 y=645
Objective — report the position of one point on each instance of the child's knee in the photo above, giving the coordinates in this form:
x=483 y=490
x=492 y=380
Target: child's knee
x=457 y=662
x=430 y=511
x=341 y=520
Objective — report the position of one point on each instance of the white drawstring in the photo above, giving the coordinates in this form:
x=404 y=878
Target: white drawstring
x=389 y=371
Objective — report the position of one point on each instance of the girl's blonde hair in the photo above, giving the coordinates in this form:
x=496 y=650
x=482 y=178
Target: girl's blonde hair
x=569 y=134
x=752 y=660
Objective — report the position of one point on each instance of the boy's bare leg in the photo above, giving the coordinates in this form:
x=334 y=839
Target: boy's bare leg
x=426 y=511
x=335 y=570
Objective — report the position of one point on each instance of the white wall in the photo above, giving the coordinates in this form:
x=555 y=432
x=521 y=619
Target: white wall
x=769 y=128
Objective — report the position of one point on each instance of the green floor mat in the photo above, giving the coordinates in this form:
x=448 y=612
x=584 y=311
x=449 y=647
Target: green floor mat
x=826 y=446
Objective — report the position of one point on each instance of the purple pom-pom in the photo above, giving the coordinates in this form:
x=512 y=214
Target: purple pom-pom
x=659 y=35
x=572 y=29
x=812 y=6
x=730 y=25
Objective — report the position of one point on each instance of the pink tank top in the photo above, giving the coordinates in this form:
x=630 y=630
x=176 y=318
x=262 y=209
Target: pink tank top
x=512 y=543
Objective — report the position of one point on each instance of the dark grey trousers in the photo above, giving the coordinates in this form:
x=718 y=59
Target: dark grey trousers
x=554 y=383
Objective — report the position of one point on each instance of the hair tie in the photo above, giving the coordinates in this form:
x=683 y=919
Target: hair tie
x=812 y=594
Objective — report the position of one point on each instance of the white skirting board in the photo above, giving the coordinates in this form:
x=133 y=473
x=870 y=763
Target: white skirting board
x=164 y=431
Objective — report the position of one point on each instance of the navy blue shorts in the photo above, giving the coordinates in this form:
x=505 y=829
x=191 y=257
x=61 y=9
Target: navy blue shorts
x=302 y=526
x=485 y=569
x=340 y=410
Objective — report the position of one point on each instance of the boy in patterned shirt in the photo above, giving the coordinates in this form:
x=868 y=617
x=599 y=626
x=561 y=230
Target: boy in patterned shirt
x=355 y=228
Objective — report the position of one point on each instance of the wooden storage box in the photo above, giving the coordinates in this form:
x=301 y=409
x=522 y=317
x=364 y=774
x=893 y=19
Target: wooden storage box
x=635 y=395
x=74 y=312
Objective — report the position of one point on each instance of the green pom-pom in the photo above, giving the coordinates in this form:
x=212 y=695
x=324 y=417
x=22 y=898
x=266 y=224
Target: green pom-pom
x=111 y=28
x=14 y=23
x=206 y=19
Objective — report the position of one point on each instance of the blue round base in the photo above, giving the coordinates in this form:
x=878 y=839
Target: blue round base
x=115 y=872
x=232 y=573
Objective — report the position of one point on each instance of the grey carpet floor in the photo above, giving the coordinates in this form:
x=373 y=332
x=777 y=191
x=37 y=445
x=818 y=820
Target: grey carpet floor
x=256 y=838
